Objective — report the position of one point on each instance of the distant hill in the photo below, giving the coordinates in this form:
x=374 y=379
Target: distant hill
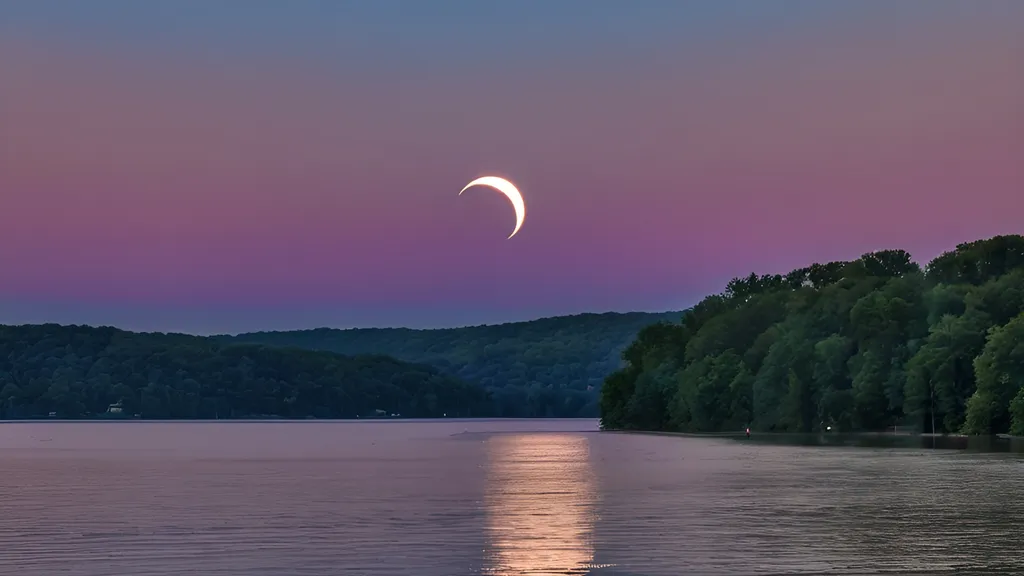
x=81 y=372
x=547 y=367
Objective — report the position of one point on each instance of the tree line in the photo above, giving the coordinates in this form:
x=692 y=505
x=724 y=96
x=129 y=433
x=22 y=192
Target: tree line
x=551 y=367
x=84 y=372
x=863 y=345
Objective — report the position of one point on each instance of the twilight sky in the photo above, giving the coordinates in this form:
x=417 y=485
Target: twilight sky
x=222 y=166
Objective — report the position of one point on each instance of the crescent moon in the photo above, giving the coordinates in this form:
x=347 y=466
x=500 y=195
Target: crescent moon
x=509 y=190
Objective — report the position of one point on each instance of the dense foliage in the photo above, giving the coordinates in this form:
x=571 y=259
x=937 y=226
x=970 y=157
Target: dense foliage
x=75 y=372
x=546 y=367
x=862 y=345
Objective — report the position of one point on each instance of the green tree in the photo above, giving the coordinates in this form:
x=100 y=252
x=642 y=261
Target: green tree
x=706 y=387
x=832 y=378
x=1000 y=376
x=79 y=372
x=616 y=394
x=1017 y=414
x=979 y=261
x=860 y=345
x=648 y=407
x=940 y=376
x=568 y=356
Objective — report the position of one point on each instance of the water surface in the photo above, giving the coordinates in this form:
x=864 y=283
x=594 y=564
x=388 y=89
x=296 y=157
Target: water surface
x=502 y=498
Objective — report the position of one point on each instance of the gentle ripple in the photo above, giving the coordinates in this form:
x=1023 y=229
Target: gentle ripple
x=496 y=498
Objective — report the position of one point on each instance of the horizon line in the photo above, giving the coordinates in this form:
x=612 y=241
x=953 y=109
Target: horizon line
x=313 y=329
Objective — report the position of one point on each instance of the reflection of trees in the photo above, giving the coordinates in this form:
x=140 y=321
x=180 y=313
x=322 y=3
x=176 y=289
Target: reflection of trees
x=540 y=504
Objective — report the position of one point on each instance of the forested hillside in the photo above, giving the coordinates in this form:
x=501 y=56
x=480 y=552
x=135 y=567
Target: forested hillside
x=76 y=372
x=861 y=345
x=546 y=367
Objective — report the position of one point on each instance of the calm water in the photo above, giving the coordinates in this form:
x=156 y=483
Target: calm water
x=489 y=498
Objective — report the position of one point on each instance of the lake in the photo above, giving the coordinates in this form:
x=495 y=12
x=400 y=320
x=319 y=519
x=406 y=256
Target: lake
x=513 y=497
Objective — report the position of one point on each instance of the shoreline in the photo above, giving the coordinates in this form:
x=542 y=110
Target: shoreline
x=280 y=420
x=805 y=434
x=679 y=434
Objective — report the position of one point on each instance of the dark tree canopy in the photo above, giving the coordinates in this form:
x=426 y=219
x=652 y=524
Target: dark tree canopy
x=81 y=372
x=552 y=367
x=861 y=345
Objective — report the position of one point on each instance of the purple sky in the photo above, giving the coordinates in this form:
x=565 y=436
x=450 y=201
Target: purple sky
x=229 y=166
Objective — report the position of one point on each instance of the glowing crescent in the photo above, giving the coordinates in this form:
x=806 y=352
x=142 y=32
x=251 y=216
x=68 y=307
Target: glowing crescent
x=509 y=190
